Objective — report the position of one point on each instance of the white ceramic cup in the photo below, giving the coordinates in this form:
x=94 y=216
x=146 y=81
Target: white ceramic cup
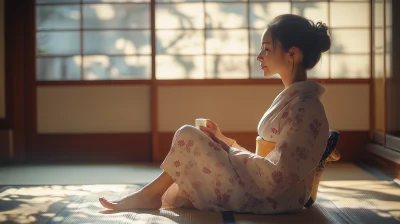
x=200 y=122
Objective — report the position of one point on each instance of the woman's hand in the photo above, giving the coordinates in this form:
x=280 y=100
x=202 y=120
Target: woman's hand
x=223 y=144
x=213 y=128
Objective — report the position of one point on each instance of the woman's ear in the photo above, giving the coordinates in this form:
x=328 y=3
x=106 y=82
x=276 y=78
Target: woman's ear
x=294 y=53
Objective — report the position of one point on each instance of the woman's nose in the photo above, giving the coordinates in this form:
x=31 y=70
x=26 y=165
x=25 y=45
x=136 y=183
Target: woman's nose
x=259 y=58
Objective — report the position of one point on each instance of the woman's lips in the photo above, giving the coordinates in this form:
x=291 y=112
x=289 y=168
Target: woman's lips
x=262 y=67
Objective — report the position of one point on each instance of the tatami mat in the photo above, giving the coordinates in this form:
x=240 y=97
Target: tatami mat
x=78 y=174
x=344 y=204
x=79 y=204
x=324 y=211
x=347 y=194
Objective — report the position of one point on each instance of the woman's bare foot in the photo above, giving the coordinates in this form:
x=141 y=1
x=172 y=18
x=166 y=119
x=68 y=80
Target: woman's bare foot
x=137 y=200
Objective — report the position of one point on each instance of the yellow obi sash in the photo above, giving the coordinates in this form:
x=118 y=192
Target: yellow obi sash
x=263 y=148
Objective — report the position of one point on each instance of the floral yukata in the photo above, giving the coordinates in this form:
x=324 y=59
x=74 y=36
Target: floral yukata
x=208 y=178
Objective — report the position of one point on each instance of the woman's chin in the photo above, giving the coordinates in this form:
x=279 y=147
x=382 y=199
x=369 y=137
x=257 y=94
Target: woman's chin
x=268 y=74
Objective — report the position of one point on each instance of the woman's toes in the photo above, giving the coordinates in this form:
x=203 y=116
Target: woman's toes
x=103 y=202
x=107 y=204
x=134 y=201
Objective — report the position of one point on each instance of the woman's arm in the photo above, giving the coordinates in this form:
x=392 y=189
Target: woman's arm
x=213 y=128
x=228 y=141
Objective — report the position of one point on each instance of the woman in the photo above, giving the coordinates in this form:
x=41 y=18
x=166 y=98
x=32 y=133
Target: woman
x=209 y=171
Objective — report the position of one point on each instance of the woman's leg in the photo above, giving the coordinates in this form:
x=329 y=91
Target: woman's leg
x=149 y=197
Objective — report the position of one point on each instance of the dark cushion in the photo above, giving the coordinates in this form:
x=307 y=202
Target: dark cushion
x=333 y=139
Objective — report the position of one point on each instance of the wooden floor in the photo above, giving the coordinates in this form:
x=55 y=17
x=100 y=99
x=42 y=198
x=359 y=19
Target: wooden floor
x=348 y=194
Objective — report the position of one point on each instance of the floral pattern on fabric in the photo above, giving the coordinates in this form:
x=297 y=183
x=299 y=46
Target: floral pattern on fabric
x=209 y=178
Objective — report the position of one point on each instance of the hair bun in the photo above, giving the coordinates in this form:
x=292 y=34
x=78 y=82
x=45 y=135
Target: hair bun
x=323 y=38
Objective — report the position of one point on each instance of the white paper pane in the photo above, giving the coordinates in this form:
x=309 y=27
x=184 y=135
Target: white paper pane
x=350 y=41
x=350 y=66
x=177 y=1
x=116 y=1
x=227 y=67
x=273 y=0
x=182 y=15
x=321 y=69
x=255 y=41
x=388 y=12
x=309 y=0
x=111 y=1
x=228 y=15
x=180 y=41
x=179 y=67
x=255 y=69
x=378 y=40
x=226 y=0
x=388 y=41
x=227 y=42
x=57 y=1
x=101 y=67
x=117 y=42
x=59 y=68
x=106 y=16
x=315 y=11
x=58 y=43
x=261 y=14
x=58 y=17
x=379 y=65
x=378 y=14
x=349 y=14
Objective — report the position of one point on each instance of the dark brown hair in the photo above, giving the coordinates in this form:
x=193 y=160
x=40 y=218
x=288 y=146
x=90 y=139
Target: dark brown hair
x=296 y=31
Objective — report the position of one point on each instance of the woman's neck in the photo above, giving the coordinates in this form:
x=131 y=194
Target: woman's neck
x=292 y=78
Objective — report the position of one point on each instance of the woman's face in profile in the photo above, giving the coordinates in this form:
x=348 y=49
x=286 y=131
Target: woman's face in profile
x=272 y=59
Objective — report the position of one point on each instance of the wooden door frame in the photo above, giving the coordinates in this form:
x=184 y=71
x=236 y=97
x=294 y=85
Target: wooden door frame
x=19 y=59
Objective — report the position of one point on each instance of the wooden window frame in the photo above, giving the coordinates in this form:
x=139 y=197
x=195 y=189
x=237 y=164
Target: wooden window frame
x=153 y=29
